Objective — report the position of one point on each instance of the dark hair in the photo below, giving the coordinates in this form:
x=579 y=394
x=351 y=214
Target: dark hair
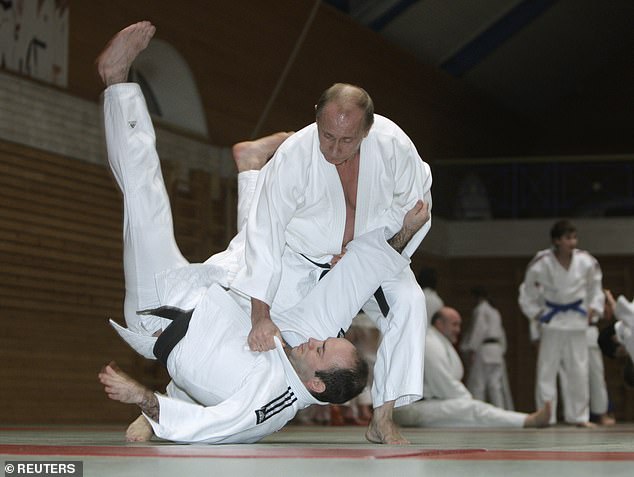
x=427 y=278
x=343 y=384
x=437 y=316
x=479 y=292
x=561 y=228
x=348 y=93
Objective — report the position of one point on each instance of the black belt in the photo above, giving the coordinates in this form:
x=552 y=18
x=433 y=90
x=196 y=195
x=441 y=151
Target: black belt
x=379 y=296
x=490 y=340
x=171 y=335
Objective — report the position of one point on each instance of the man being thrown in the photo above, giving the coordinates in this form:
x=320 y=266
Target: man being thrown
x=447 y=401
x=221 y=392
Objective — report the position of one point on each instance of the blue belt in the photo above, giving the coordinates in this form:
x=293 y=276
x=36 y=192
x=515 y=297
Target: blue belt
x=560 y=308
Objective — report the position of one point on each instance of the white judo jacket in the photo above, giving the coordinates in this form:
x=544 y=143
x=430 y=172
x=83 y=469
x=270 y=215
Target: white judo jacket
x=299 y=208
x=624 y=312
x=547 y=281
x=243 y=395
x=487 y=325
x=443 y=369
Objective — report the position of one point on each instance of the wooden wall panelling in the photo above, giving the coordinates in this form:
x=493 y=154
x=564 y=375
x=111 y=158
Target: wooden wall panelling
x=60 y=253
x=60 y=250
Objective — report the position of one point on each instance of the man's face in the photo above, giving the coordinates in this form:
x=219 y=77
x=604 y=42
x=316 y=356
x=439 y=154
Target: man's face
x=449 y=325
x=340 y=133
x=315 y=355
x=566 y=243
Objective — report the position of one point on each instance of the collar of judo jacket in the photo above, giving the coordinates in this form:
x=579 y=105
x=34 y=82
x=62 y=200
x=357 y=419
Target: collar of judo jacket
x=296 y=384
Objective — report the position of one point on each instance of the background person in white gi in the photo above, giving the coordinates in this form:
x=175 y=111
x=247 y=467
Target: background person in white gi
x=485 y=346
x=447 y=402
x=428 y=280
x=617 y=339
x=562 y=291
x=348 y=173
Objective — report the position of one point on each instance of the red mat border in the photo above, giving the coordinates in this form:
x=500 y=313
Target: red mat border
x=223 y=452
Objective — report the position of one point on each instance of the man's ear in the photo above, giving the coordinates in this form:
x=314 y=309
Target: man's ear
x=316 y=385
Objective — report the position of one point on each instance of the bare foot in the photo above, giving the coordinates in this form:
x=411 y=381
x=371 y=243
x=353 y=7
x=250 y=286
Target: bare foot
x=607 y=420
x=385 y=433
x=113 y=63
x=586 y=425
x=540 y=418
x=382 y=429
x=252 y=155
x=139 y=430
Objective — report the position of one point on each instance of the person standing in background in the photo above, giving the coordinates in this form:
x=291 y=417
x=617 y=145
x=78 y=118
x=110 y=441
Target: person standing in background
x=485 y=346
x=562 y=291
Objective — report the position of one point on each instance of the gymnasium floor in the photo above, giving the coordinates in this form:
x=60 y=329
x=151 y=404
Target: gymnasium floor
x=559 y=451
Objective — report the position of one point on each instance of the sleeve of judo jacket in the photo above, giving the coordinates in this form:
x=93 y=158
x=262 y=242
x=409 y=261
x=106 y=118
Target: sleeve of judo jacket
x=530 y=294
x=274 y=205
x=234 y=420
x=413 y=181
x=596 y=297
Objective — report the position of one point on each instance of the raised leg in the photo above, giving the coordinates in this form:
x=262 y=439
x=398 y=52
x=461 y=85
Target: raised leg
x=149 y=244
x=251 y=156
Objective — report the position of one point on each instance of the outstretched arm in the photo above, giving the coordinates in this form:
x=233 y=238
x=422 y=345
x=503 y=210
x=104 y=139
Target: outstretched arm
x=414 y=219
x=121 y=387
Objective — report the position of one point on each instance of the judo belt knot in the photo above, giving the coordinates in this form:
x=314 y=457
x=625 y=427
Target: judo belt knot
x=561 y=308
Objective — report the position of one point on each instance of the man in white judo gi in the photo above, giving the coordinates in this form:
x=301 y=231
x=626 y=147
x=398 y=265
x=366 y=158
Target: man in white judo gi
x=624 y=327
x=349 y=172
x=562 y=292
x=617 y=339
x=485 y=346
x=447 y=402
x=221 y=392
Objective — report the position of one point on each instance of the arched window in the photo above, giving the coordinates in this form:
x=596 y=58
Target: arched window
x=169 y=87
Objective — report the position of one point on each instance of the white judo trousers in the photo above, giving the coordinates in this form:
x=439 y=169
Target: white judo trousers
x=457 y=412
x=596 y=374
x=447 y=401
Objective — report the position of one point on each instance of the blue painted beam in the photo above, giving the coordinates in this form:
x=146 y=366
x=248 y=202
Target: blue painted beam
x=343 y=5
x=493 y=37
x=394 y=11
